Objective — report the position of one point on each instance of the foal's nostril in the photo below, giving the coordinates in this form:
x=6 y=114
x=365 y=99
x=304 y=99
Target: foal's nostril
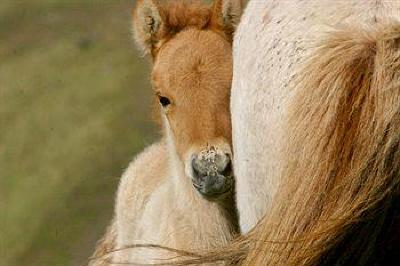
x=228 y=169
x=211 y=173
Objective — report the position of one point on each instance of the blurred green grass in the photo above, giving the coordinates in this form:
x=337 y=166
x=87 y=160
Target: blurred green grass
x=74 y=109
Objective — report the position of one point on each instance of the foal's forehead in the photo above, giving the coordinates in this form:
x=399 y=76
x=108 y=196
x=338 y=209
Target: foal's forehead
x=192 y=55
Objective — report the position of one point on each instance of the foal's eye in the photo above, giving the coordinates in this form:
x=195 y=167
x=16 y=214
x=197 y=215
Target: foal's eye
x=164 y=101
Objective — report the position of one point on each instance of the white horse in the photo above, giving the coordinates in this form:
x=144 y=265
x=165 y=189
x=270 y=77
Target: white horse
x=273 y=40
x=315 y=102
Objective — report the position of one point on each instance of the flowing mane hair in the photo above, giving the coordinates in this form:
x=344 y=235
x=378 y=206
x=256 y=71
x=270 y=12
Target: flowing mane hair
x=339 y=198
x=338 y=202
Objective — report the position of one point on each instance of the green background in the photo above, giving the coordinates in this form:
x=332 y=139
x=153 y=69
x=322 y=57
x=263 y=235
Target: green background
x=74 y=110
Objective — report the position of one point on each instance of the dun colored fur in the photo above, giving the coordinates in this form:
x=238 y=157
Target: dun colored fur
x=178 y=193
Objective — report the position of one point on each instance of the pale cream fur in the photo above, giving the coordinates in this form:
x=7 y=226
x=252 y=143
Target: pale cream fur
x=271 y=44
x=152 y=209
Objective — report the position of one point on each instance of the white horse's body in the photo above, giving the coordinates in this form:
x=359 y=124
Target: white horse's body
x=273 y=40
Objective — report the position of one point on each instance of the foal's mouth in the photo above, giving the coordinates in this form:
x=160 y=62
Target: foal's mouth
x=213 y=189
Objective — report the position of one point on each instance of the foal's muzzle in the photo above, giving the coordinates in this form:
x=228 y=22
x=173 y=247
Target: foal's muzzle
x=212 y=173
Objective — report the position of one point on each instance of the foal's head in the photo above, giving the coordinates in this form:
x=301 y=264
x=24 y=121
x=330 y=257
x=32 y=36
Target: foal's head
x=192 y=54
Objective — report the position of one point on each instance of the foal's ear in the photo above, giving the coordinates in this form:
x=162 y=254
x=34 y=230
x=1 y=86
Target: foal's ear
x=227 y=13
x=147 y=24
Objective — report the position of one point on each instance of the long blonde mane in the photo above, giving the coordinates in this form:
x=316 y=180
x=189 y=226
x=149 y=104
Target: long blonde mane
x=343 y=158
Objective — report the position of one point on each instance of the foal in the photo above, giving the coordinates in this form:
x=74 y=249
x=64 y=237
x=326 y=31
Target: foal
x=178 y=192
